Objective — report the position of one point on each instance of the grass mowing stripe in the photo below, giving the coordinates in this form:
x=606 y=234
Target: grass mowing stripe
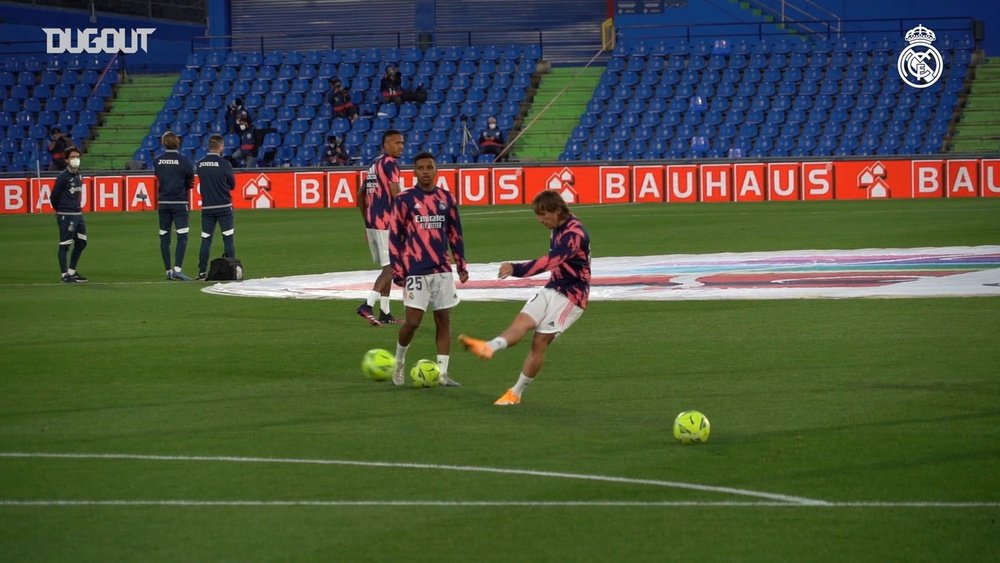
x=878 y=400
x=492 y=503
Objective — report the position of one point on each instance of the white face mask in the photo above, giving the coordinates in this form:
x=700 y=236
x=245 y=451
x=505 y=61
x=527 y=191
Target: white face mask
x=74 y=162
x=493 y=125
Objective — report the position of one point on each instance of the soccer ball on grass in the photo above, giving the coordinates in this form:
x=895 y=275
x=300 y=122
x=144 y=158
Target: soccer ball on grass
x=425 y=373
x=378 y=364
x=691 y=427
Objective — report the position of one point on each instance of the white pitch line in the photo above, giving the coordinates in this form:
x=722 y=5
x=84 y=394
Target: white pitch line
x=489 y=503
x=465 y=468
x=85 y=284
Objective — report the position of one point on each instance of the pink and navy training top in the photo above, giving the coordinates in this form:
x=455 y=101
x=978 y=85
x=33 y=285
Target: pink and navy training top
x=378 y=197
x=568 y=260
x=424 y=225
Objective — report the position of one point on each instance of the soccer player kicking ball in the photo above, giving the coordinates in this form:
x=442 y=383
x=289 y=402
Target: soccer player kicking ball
x=425 y=224
x=556 y=306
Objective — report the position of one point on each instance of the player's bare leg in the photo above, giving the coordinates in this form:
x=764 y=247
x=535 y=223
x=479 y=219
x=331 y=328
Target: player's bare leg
x=532 y=365
x=383 y=285
x=521 y=325
x=406 y=332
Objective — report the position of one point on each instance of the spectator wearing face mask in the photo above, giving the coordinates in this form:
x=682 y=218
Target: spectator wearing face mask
x=234 y=112
x=491 y=140
x=246 y=153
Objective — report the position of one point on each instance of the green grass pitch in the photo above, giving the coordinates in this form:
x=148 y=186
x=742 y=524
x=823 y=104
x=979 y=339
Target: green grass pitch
x=881 y=411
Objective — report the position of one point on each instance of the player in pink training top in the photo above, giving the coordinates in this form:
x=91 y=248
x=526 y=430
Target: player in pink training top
x=375 y=196
x=556 y=306
x=426 y=224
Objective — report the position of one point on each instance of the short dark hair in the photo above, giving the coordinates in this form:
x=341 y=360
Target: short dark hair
x=390 y=133
x=424 y=155
x=72 y=150
x=215 y=142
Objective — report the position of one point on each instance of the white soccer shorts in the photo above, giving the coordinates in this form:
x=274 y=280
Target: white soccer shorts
x=378 y=243
x=435 y=290
x=552 y=311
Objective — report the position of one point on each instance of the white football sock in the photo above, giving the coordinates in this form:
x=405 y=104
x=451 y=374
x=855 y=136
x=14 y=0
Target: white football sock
x=71 y=271
x=401 y=354
x=177 y=268
x=522 y=382
x=384 y=304
x=443 y=363
x=373 y=296
x=498 y=343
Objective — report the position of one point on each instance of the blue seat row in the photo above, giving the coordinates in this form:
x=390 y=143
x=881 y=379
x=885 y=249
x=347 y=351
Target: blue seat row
x=220 y=58
x=65 y=61
x=296 y=108
x=774 y=101
x=783 y=45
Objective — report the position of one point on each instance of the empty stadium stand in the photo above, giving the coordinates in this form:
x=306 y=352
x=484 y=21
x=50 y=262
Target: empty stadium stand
x=768 y=97
x=784 y=96
x=42 y=92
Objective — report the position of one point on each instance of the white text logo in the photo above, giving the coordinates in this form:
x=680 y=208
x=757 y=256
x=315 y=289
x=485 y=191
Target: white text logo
x=94 y=41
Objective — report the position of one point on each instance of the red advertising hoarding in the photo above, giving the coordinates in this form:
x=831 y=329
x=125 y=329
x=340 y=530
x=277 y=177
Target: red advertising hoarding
x=705 y=181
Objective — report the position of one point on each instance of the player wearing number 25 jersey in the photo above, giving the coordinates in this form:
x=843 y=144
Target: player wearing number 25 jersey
x=425 y=225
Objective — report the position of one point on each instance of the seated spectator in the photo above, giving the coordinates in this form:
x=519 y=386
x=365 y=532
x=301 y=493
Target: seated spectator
x=340 y=100
x=234 y=111
x=246 y=154
x=59 y=144
x=392 y=90
x=491 y=141
x=335 y=153
x=416 y=93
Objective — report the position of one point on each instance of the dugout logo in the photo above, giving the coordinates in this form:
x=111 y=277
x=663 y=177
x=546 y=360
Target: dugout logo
x=94 y=41
x=920 y=65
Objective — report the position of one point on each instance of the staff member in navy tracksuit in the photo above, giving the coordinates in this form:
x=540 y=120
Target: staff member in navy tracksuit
x=66 y=197
x=246 y=153
x=217 y=183
x=175 y=178
x=491 y=141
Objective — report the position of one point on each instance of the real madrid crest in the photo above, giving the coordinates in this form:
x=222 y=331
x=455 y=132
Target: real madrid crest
x=920 y=65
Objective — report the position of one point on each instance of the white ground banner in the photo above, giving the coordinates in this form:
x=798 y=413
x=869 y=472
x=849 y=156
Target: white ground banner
x=796 y=274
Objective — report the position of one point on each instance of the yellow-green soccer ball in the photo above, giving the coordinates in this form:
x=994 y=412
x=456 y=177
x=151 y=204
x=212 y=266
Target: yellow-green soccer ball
x=425 y=373
x=691 y=427
x=378 y=364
